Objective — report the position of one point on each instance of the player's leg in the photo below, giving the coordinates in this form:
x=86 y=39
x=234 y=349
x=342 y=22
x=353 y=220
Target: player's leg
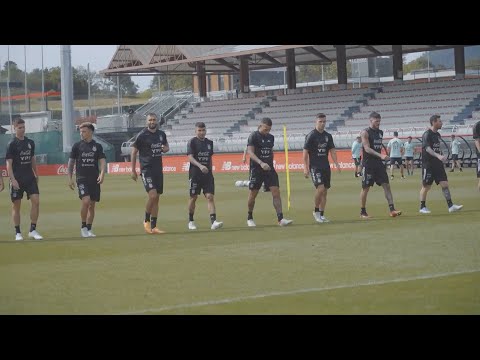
x=34 y=212
x=91 y=217
x=94 y=191
x=400 y=164
x=153 y=198
x=16 y=205
x=381 y=178
x=84 y=206
x=367 y=183
x=427 y=181
x=326 y=177
x=193 y=193
x=254 y=185
x=209 y=192
x=271 y=182
x=440 y=177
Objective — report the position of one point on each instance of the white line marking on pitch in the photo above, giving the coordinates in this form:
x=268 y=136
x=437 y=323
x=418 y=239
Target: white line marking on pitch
x=293 y=292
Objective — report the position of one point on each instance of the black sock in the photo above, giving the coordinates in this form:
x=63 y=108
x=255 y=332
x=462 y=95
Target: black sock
x=213 y=217
x=153 y=221
x=190 y=217
x=250 y=215
x=279 y=216
x=89 y=227
x=450 y=203
x=422 y=204
x=392 y=208
x=317 y=209
x=147 y=217
x=321 y=212
x=33 y=227
x=17 y=229
x=363 y=211
x=84 y=224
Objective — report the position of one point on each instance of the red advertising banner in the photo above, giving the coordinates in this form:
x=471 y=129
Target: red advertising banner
x=231 y=163
x=60 y=169
x=222 y=163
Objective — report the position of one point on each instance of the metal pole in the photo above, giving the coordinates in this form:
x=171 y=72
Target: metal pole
x=284 y=81
x=43 y=84
x=8 y=89
x=323 y=81
x=67 y=97
x=118 y=95
x=89 y=104
x=25 y=58
x=428 y=65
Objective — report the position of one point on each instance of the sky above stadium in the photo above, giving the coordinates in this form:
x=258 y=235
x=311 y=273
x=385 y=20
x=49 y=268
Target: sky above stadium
x=98 y=56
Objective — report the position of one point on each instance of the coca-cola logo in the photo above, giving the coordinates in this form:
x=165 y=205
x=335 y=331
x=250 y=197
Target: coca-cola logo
x=62 y=170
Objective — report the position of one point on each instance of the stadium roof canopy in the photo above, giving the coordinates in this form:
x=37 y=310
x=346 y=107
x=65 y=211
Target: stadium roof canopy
x=224 y=59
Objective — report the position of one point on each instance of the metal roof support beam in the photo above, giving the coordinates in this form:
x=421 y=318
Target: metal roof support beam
x=269 y=58
x=397 y=63
x=202 y=79
x=459 y=54
x=244 y=75
x=341 y=66
x=373 y=50
x=317 y=53
x=227 y=64
x=291 y=75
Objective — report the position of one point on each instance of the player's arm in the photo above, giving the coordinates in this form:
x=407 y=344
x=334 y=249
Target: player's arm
x=333 y=151
x=133 y=157
x=244 y=158
x=165 y=147
x=192 y=160
x=34 y=168
x=70 y=165
x=103 y=165
x=306 y=163
x=427 y=145
x=368 y=149
x=477 y=144
x=11 y=175
x=251 y=153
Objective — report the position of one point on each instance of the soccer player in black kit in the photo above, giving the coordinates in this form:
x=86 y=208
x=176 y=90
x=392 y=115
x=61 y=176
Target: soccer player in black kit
x=374 y=170
x=433 y=168
x=150 y=144
x=200 y=176
x=476 y=137
x=85 y=156
x=260 y=149
x=318 y=143
x=22 y=169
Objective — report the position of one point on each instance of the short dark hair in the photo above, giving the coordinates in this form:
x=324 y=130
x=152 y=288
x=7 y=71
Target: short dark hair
x=409 y=137
x=267 y=121
x=395 y=133
x=87 y=125
x=200 y=125
x=434 y=118
x=453 y=135
x=375 y=115
x=18 y=121
x=152 y=114
x=321 y=115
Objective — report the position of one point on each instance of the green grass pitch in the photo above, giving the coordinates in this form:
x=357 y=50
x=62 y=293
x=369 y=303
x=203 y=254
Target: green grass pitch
x=413 y=264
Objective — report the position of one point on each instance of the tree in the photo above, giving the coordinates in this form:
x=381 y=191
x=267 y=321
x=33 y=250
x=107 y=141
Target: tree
x=127 y=86
x=171 y=82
